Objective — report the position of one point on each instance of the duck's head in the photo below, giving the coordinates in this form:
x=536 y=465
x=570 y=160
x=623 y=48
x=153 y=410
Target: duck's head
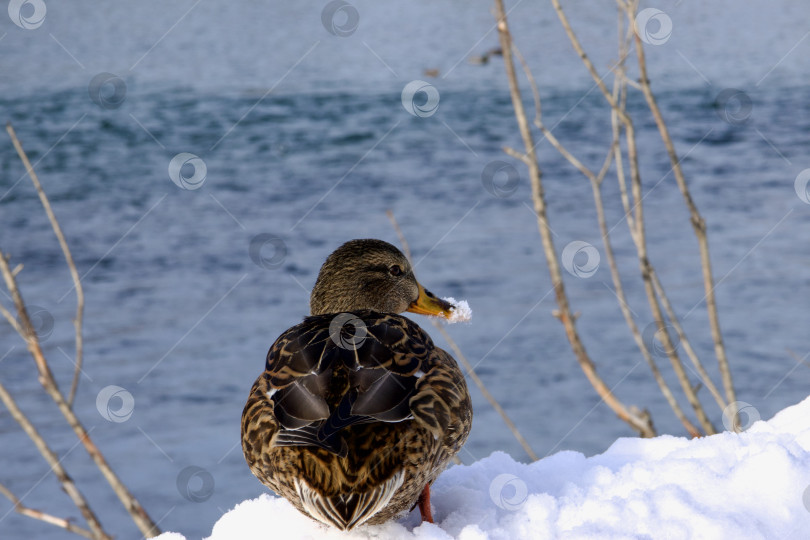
x=372 y=274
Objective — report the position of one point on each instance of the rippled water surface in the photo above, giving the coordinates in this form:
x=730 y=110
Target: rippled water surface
x=304 y=137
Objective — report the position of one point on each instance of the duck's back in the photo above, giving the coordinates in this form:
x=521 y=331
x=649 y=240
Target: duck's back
x=354 y=414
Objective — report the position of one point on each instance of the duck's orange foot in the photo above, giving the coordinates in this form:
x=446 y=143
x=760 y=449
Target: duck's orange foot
x=424 y=505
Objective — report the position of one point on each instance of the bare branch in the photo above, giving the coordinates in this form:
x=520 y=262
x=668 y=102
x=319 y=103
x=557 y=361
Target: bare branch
x=625 y=308
x=639 y=421
x=74 y=274
x=28 y=333
x=572 y=37
x=636 y=221
x=11 y=320
x=635 y=216
x=619 y=97
x=538 y=108
x=511 y=152
x=685 y=343
x=56 y=466
x=62 y=523
x=538 y=121
x=697 y=221
x=614 y=152
x=647 y=271
x=48 y=382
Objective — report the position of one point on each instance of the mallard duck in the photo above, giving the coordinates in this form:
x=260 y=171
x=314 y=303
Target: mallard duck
x=357 y=412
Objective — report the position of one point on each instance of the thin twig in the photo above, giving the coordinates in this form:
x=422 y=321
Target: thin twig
x=636 y=222
x=56 y=466
x=647 y=271
x=10 y=319
x=614 y=152
x=697 y=221
x=638 y=420
x=538 y=106
x=685 y=343
x=48 y=382
x=74 y=274
x=639 y=238
x=619 y=98
x=62 y=523
x=466 y=363
x=595 y=181
x=509 y=151
x=548 y=134
x=487 y=395
x=619 y=95
x=572 y=37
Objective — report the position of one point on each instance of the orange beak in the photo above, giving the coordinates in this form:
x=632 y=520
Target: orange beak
x=428 y=304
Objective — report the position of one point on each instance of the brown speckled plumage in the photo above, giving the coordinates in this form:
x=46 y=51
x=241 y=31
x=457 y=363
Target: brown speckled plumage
x=356 y=412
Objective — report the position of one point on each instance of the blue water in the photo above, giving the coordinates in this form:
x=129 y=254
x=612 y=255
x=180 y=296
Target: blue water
x=304 y=138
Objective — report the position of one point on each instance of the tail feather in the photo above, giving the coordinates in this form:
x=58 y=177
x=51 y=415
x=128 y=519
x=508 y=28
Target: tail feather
x=350 y=509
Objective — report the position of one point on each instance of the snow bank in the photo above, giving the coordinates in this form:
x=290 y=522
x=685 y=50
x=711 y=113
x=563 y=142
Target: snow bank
x=735 y=486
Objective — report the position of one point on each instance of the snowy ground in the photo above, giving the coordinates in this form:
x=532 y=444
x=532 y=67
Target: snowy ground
x=737 y=486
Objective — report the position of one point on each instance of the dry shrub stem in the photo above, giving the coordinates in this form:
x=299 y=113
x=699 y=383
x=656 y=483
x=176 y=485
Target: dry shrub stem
x=632 y=201
x=43 y=516
x=96 y=530
x=614 y=152
x=48 y=382
x=696 y=220
x=635 y=220
x=638 y=420
x=466 y=363
x=74 y=274
x=653 y=288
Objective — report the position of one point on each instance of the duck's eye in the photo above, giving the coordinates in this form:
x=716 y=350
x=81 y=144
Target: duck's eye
x=395 y=270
